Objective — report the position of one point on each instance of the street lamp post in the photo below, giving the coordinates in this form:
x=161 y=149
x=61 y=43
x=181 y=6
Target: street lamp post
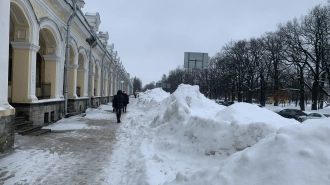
x=122 y=82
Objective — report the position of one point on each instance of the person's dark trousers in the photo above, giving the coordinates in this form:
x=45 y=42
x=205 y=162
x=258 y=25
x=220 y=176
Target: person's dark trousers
x=124 y=108
x=118 y=114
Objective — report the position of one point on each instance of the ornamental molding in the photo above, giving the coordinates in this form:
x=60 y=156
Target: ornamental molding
x=25 y=46
x=51 y=58
x=82 y=70
x=75 y=66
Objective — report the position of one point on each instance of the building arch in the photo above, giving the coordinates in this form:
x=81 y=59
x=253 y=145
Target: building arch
x=51 y=26
x=47 y=66
x=83 y=53
x=73 y=66
x=73 y=51
x=25 y=22
x=24 y=40
x=82 y=74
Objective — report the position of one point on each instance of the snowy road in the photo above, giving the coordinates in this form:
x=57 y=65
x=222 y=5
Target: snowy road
x=77 y=156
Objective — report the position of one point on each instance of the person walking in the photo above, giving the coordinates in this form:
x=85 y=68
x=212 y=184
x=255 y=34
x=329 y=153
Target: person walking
x=118 y=104
x=126 y=101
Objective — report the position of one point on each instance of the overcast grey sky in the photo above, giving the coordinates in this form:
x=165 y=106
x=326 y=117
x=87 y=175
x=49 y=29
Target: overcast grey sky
x=151 y=36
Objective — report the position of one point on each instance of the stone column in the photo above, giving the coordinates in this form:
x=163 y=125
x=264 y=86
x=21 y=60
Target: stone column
x=72 y=81
x=82 y=81
x=105 y=85
x=118 y=83
x=85 y=83
x=115 y=84
x=24 y=72
x=96 y=84
x=4 y=53
x=51 y=70
x=110 y=83
x=7 y=113
x=92 y=84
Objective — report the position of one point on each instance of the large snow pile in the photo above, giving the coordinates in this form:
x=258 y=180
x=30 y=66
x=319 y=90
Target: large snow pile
x=295 y=155
x=151 y=98
x=185 y=102
x=191 y=99
x=188 y=122
x=187 y=126
x=250 y=123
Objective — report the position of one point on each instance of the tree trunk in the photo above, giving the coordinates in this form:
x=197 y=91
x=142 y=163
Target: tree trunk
x=302 y=100
x=302 y=91
x=276 y=87
x=240 y=94
x=314 y=95
x=321 y=101
x=262 y=92
x=233 y=94
x=250 y=97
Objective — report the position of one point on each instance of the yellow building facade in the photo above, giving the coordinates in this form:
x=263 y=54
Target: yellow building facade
x=55 y=63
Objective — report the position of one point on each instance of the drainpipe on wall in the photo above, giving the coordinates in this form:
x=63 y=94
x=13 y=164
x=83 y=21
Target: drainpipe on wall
x=68 y=57
x=105 y=52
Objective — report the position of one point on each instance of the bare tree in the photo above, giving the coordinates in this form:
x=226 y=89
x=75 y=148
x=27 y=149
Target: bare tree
x=149 y=86
x=137 y=84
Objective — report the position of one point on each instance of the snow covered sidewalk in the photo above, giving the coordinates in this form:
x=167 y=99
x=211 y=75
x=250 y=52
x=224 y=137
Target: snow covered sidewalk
x=77 y=151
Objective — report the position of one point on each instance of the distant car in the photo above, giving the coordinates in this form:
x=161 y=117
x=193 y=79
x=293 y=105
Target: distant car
x=292 y=113
x=326 y=115
x=219 y=102
x=227 y=103
x=311 y=116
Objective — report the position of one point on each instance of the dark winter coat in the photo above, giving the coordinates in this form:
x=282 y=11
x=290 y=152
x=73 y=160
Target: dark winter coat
x=126 y=100
x=118 y=100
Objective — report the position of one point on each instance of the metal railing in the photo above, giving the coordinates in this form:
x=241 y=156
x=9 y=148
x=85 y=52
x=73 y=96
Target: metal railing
x=43 y=90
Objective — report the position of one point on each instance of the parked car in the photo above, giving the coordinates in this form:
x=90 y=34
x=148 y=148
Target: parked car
x=311 y=116
x=226 y=103
x=326 y=115
x=219 y=102
x=292 y=113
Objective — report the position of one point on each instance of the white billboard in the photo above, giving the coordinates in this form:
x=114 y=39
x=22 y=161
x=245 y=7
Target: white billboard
x=194 y=60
